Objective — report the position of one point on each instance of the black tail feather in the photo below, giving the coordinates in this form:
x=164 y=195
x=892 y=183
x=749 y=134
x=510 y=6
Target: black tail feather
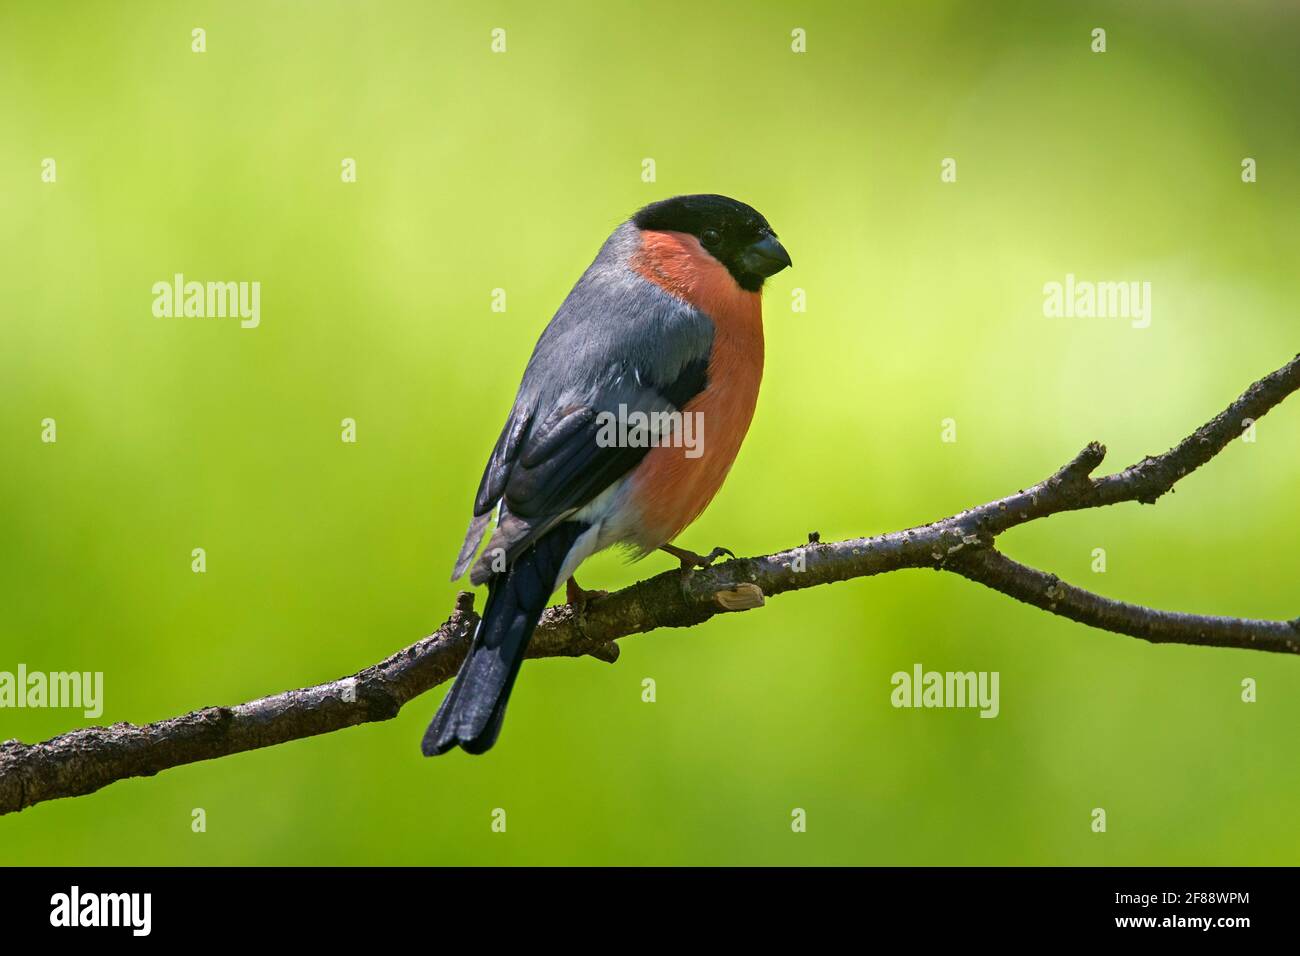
x=471 y=714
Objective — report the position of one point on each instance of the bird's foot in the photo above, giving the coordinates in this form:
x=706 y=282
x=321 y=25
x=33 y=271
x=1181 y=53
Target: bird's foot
x=579 y=596
x=690 y=560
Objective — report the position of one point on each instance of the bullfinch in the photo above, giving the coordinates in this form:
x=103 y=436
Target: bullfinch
x=662 y=334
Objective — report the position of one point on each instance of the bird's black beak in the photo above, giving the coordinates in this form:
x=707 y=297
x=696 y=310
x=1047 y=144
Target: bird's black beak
x=765 y=258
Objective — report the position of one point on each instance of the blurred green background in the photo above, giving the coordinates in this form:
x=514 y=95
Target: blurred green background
x=478 y=170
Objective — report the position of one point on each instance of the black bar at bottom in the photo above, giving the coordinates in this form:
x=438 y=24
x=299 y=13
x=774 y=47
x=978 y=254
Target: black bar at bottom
x=365 y=906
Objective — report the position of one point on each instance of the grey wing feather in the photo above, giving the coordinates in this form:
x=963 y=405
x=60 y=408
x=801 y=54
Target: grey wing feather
x=473 y=538
x=493 y=484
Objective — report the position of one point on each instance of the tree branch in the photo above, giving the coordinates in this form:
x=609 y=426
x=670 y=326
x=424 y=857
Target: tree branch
x=85 y=760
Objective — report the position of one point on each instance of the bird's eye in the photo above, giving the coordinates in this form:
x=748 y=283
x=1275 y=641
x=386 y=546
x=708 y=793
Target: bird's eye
x=709 y=237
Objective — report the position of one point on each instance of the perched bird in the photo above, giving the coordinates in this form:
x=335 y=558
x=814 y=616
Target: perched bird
x=667 y=319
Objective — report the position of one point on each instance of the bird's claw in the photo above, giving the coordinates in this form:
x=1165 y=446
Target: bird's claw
x=579 y=597
x=715 y=554
x=690 y=560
